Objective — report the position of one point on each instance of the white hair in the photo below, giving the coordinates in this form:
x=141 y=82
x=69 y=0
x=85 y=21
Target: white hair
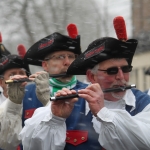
x=95 y=69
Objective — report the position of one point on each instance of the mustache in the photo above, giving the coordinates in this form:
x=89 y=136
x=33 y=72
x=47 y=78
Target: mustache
x=119 y=83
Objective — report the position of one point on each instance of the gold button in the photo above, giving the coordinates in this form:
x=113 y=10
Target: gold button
x=75 y=140
x=82 y=138
x=27 y=113
x=68 y=138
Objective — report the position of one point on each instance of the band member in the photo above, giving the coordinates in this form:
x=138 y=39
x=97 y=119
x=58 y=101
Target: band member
x=54 y=53
x=111 y=120
x=10 y=108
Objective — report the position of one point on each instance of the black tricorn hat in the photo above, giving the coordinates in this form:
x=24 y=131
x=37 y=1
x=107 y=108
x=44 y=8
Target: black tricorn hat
x=100 y=50
x=3 y=50
x=49 y=44
x=12 y=61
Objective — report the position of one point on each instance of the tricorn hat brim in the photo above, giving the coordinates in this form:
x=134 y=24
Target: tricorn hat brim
x=12 y=61
x=52 y=43
x=100 y=50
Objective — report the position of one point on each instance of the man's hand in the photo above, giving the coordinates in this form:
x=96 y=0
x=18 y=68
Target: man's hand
x=93 y=94
x=16 y=91
x=41 y=80
x=63 y=108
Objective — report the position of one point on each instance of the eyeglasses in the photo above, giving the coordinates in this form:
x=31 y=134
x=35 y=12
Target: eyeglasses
x=114 y=70
x=62 y=57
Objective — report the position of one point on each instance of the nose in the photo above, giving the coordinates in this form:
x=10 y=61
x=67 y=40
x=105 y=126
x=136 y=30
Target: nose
x=67 y=61
x=120 y=74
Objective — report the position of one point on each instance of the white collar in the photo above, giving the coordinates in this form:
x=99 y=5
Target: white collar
x=128 y=99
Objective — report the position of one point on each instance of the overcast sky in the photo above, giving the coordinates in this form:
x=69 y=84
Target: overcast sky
x=119 y=8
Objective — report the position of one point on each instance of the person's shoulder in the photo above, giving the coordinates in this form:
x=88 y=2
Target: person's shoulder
x=140 y=94
x=81 y=84
x=147 y=91
x=142 y=99
x=137 y=91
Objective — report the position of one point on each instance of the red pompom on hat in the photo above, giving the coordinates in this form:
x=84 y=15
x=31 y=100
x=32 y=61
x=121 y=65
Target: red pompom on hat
x=120 y=28
x=72 y=30
x=21 y=50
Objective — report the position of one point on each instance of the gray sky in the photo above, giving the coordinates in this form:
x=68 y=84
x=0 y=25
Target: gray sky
x=117 y=8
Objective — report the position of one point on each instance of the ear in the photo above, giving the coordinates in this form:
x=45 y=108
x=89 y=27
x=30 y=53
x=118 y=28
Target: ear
x=44 y=65
x=1 y=80
x=90 y=76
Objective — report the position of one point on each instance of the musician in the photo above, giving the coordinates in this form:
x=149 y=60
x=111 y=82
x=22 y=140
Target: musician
x=54 y=53
x=10 y=108
x=116 y=120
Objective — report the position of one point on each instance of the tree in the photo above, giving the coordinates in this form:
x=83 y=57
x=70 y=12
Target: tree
x=28 y=21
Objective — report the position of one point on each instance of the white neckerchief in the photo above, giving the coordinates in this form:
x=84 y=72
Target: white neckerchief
x=128 y=99
x=2 y=97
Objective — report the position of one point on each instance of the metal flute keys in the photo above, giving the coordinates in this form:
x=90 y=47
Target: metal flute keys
x=118 y=89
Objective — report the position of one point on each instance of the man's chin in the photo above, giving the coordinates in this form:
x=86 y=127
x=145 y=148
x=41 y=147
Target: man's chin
x=118 y=95
x=65 y=76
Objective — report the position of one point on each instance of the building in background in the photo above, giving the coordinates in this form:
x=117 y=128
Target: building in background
x=141 y=31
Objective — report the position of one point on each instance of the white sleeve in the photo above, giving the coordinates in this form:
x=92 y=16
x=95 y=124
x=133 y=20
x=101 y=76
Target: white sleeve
x=121 y=131
x=10 y=124
x=44 y=131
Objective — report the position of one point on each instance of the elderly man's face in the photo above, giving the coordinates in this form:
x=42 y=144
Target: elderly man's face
x=107 y=80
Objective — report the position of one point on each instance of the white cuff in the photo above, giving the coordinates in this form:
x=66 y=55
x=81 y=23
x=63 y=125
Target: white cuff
x=105 y=115
x=57 y=120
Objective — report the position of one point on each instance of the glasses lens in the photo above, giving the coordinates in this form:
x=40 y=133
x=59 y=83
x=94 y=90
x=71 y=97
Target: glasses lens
x=113 y=70
x=126 y=69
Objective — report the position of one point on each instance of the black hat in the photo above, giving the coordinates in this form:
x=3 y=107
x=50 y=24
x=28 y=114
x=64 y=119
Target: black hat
x=52 y=43
x=3 y=50
x=147 y=72
x=12 y=61
x=100 y=50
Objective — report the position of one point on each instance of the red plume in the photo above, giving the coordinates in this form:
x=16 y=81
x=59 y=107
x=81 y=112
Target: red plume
x=72 y=30
x=120 y=28
x=0 y=37
x=21 y=50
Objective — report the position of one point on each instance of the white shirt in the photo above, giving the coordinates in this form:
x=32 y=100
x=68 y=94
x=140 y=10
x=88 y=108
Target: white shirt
x=2 y=97
x=117 y=129
x=10 y=124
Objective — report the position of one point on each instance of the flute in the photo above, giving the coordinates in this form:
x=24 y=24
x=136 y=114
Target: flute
x=118 y=89
x=28 y=80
